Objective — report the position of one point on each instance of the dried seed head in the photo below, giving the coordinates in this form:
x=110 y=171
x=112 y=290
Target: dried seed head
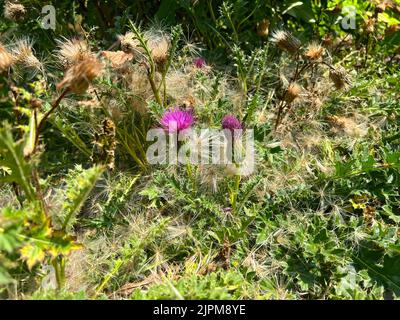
x=263 y=28
x=292 y=93
x=129 y=43
x=14 y=11
x=72 y=51
x=314 y=51
x=79 y=76
x=6 y=59
x=159 y=46
x=369 y=26
x=286 y=41
x=383 y=5
x=24 y=54
x=328 y=40
x=339 y=77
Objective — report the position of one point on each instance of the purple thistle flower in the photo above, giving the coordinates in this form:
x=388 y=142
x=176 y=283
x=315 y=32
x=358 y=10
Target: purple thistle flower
x=199 y=63
x=177 y=119
x=231 y=122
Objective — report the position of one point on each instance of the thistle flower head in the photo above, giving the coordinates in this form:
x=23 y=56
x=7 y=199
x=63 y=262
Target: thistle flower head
x=14 y=11
x=231 y=122
x=199 y=63
x=292 y=92
x=339 y=77
x=159 y=45
x=177 y=119
x=286 y=41
x=79 y=76
x=72 y=51
x=314 y=51
x=129 y=43
x=23 y=53
x=6 y=59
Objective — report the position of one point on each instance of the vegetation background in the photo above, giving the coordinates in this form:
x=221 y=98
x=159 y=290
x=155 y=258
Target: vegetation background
x=84 y=216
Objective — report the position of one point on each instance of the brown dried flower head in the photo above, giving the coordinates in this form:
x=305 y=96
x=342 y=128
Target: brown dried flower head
x=79 y=76
x=117 y=59
x=24 y=54
x=263 y=28
x=369 y=26
x=72 y=51
x=314 y=51
x=6 y=59
x=159 y=46
x=339 y=77
x=286 y=41
x=14 y=11
x=328 y=40
x=292 y=92
x=383 y=5
x=129 y=43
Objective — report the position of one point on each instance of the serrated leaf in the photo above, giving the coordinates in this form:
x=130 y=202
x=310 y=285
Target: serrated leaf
x=32 y=255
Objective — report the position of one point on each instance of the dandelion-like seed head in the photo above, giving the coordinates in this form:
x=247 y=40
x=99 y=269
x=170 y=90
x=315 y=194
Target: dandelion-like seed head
x=177 y=119
x=14 y=11
x=79 y=76
x=286 y=41
x=159 y=45
x=314 y=51
x=72 y=51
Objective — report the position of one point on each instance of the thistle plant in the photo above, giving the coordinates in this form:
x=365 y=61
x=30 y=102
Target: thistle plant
x=312 y=59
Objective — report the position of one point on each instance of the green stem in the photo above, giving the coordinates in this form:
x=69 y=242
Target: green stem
x=59 y=268
x=235 y=193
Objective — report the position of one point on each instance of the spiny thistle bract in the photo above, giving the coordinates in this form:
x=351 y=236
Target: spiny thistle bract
x=14 y=11
x=286 y=41
x=177 y=119
x=79 y=76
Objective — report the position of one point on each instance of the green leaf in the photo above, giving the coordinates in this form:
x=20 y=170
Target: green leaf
x=80 y=185
x=12 y=157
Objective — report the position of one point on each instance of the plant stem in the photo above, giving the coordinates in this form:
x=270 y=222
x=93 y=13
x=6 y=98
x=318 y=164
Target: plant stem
x=46 y=116
x=235 y=193
x=59 y=268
